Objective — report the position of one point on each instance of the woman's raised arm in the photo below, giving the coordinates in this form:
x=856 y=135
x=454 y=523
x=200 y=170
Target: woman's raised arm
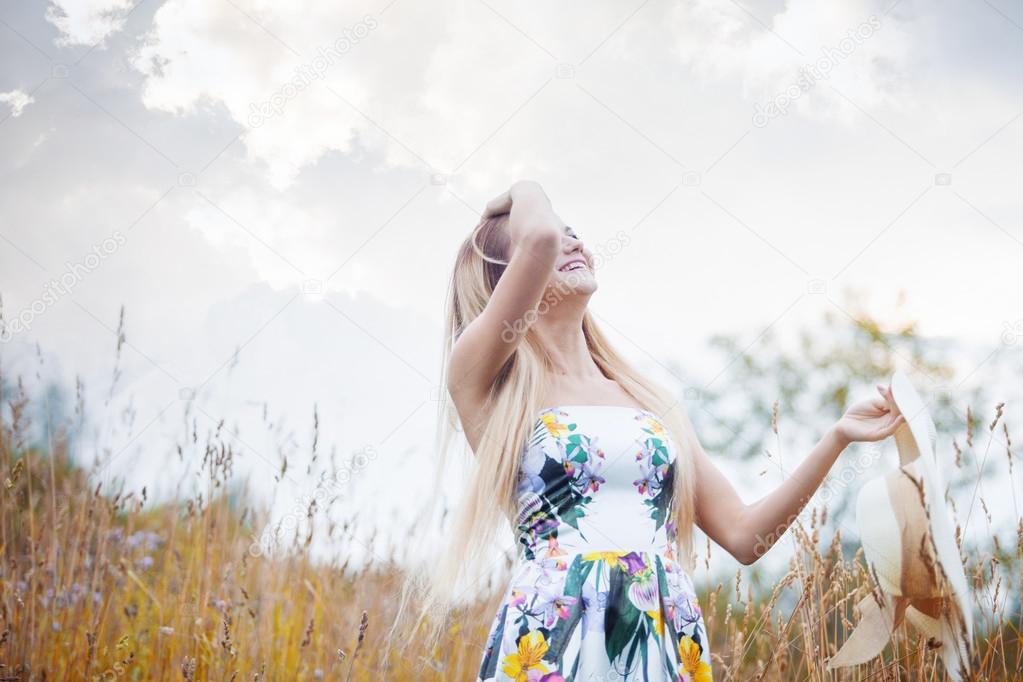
x=535 y=234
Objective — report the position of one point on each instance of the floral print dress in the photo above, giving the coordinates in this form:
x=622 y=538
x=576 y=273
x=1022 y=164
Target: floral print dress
x=597 y=594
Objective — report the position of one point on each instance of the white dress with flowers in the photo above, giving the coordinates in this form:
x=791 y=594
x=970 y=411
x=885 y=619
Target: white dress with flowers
x=597 y=593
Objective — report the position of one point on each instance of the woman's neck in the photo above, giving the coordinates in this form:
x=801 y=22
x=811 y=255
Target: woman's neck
x=565 y=342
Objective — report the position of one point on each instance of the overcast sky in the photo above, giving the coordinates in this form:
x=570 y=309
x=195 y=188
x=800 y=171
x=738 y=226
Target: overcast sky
x=292 y=179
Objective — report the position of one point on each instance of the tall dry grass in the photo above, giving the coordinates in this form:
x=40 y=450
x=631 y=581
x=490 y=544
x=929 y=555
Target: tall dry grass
x=103 y=584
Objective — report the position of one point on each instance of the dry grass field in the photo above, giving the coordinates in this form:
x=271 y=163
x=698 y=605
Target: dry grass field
x=101 y=584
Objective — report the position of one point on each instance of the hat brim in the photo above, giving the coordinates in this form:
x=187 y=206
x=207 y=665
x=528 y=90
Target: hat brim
x=918 y=447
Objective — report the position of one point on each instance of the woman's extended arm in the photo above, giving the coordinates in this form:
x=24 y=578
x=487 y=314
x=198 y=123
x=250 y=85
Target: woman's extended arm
x=747 y=531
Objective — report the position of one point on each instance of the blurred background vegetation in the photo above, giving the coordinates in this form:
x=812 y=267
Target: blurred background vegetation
x=100 y=582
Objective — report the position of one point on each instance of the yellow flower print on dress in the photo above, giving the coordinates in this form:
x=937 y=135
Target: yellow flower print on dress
x=597 y=593
x=556 y=428
x=609 y=557
x=654 y=426
x=658 y=621
x=532 y=647
x=633 y=563
x=694 y=668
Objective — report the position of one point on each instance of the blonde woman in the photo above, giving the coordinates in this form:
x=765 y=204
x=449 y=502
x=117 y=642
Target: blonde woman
x=597 y=469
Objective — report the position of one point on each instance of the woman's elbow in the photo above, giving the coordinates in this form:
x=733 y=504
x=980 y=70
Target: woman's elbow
x=746 y=558
x=748 y=549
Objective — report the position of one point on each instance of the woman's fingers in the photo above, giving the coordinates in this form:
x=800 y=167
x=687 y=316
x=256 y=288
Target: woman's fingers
x=894 y=426
x=498 y=205
x=886 y=392
x=502 y=203
x=493 y=208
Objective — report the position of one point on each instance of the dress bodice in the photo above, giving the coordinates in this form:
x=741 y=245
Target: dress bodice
x=595 y=478
x=597 y=594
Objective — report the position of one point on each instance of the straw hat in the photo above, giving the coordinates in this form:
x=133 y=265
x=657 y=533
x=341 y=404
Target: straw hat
x=908 y=538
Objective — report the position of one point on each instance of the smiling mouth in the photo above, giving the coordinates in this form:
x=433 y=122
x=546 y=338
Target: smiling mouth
x=573 y=265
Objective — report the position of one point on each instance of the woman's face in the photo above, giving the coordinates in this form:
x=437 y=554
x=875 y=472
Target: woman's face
x=573 y=271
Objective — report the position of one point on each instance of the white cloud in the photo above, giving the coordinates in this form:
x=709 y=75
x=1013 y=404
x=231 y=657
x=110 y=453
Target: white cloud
x=794 y=55
x=273 y=89
x=17 y=100
x=392 y=91
x=87 y=22
x=434 y=84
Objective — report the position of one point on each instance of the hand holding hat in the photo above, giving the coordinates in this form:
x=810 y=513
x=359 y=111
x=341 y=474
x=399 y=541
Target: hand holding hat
x=871 y=420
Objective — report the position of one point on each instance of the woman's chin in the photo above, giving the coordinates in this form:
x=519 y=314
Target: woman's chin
x=576 y=288
x=575 y=280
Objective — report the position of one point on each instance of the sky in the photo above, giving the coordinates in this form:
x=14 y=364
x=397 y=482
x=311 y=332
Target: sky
x=274 y=192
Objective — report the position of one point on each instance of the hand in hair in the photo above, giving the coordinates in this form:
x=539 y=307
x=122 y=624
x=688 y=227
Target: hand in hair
x=502 y=203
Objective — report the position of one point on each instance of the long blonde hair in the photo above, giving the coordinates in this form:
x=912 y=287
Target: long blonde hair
x=512 y=406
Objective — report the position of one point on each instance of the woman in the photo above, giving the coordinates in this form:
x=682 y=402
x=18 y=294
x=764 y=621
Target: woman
x=597 y=469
